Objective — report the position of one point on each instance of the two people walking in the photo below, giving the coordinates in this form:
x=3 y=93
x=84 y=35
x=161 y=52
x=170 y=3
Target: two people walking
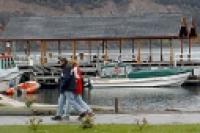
x=71 y=89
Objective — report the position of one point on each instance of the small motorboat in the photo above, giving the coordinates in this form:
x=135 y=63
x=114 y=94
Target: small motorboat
x=29 y=87
x=123 y=75
x=10 y=91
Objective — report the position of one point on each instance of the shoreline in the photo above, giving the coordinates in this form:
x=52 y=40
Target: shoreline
x=13 y=107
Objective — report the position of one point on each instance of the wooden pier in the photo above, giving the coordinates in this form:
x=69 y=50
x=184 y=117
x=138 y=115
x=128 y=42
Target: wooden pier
x=102 y=33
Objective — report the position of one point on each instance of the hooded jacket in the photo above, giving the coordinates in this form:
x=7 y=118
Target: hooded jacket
x=67 y=80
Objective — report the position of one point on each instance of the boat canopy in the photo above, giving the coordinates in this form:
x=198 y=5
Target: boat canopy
x=115 y=70
x=162 y=72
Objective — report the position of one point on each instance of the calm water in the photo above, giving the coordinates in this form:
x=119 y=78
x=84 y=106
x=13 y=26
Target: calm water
x=136 y=99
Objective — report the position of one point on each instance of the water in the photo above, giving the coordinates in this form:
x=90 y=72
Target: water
x=135 y=99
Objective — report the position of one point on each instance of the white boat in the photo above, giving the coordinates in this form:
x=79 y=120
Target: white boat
x=9 y=72
x=123 y=76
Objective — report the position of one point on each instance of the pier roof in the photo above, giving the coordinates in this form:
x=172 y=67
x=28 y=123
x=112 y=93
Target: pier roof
x=83 y=28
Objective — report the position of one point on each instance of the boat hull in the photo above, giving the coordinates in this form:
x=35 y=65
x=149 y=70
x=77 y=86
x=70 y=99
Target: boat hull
x=173 y=80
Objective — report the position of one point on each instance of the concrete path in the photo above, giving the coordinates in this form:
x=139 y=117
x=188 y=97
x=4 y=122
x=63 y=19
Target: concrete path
x=111 y=119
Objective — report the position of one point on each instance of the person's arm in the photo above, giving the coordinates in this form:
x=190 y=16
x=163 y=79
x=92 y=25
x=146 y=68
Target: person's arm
x=76 y=72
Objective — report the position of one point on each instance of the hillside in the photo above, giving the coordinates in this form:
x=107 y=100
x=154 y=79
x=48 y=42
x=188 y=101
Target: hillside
x=109 y=8
x=9 y=8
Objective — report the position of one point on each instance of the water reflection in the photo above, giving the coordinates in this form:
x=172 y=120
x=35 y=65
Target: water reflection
x=137 y=99
x=145 y=99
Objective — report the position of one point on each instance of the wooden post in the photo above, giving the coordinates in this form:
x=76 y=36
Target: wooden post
x=59 y=48
x=116 y=105
x=161 y=51
x=43 y=49
x=181 y=56
x=133 y=50
x=138 y=54
x=103 y=47
x=89 y=96
x=41 y=53
x=190 y=46
x=120 y=47
x=106 y=51
x=103 y=50
x=171 y=53
x=74 y=50
x=90 y=50
x=150 y=51
x=28 y=48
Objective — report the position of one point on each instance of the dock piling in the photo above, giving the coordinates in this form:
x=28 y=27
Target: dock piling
x=116 y=105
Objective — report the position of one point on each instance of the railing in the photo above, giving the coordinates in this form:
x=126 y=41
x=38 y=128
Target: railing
x=144 y=57
x=185 y=57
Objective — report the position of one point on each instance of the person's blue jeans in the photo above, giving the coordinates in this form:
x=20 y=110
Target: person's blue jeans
x=61 y=104
x=66 y=100
x=83 y=104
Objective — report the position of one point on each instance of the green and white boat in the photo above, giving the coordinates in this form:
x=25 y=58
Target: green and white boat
x=123 y=75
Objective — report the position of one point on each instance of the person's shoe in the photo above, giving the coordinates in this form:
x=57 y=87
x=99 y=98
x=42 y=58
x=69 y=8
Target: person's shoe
x=91 y=114
x=82 y=115
x=66 y=118
x=57 y=118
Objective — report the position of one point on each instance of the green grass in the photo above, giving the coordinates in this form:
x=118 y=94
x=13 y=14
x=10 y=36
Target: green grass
x=195 y=128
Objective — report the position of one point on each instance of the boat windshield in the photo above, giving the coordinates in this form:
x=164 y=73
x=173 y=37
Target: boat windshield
x=115 y=70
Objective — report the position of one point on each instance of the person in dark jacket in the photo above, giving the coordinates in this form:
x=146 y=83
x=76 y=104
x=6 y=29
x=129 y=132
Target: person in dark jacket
x=66 y=89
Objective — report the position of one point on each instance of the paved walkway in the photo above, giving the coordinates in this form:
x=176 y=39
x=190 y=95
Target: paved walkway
x=111 y=119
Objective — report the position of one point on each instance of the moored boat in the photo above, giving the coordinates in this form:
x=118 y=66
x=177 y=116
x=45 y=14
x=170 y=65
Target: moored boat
x=124 y=76
x=9 y=72
x=29 y=87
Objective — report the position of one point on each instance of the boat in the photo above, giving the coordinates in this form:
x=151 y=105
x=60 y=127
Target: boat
x=122 y=75
x=30 y=87
x=9 y=72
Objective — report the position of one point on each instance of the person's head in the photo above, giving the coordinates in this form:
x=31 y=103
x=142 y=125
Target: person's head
x=184 y=21
x=74 y=63
x=63 y=62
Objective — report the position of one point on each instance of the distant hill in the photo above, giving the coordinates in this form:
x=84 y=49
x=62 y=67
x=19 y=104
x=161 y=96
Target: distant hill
x=9 y=8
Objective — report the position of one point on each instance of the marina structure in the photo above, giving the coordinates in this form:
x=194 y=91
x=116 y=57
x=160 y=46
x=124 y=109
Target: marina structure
x=99 y=33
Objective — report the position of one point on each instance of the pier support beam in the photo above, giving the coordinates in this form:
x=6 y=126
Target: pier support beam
x=120 y=48
x=133 y=50
x=90 y=50
x=161 y=51
x=150 y=51
x=190 y=47
x=28 y=48
x=106 y=52
x=103 y=50
x=74 y=58
x=43 y=50
x=171 y=52
x=59 y=47
x=181 y=55
x=138 y=53
x=103 y=46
